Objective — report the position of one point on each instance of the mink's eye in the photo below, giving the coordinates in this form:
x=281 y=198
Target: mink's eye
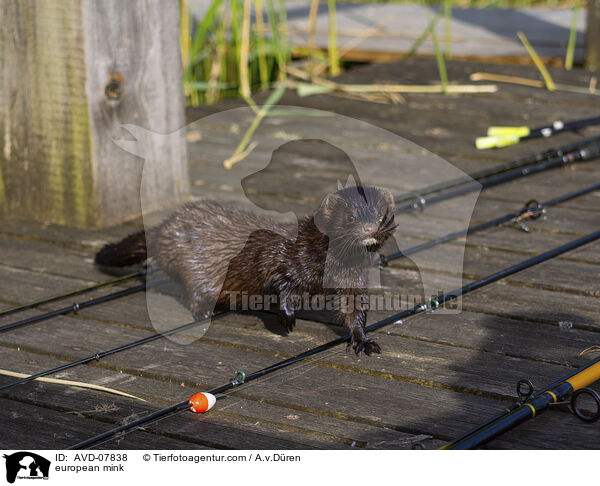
x=351 y=219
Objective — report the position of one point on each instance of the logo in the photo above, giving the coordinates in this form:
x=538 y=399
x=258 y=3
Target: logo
x=26 y=465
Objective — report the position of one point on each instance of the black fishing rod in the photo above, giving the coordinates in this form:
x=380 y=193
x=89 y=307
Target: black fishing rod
x=431 y=304
x=118 y=349
x=574 y=384
x=531 y=211
x=73 y=293
x=77 y=306
x=504 y=136
x=581 y=155
x=496 y=170
x=559 y=126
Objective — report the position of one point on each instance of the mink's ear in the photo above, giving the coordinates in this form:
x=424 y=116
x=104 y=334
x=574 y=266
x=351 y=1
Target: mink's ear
x=388 y=196
x=322 y=216
x=330 y=202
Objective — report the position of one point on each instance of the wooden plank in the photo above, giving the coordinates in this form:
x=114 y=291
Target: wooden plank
x=478 y=413
x=533 y=304
x=309 y=429
x=26 y=426
x=42 y=257
x=517 y=338
x=551 y=275
x=23 y=286
x=387 y=31
x=378 y=368
x=64 y=237
x=176 y=370
x=535 y=241
x=409 y=407
x=111 y=410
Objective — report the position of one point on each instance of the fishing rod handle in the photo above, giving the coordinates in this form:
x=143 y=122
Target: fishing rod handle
x=524 y=412
x=574 y=382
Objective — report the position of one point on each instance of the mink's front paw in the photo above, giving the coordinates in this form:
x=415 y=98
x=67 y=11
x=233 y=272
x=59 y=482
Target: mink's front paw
x=364 y=345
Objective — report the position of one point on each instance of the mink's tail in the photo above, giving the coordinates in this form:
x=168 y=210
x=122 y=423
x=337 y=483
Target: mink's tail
x=131 y=250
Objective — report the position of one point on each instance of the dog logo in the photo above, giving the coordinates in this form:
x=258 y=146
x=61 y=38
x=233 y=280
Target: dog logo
x=26 y=465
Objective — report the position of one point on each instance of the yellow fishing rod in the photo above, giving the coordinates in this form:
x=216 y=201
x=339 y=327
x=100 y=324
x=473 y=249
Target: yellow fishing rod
x=573 y=385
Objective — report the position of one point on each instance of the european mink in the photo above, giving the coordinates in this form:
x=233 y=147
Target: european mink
x=214 y=250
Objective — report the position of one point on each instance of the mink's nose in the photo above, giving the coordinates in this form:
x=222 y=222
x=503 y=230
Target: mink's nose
x=370 y=228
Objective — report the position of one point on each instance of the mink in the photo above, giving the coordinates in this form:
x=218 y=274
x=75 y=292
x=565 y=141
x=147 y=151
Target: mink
x=217 y=252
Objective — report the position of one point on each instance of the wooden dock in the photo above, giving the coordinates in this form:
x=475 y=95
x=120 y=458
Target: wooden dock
x=387 y=31
x=438 y=375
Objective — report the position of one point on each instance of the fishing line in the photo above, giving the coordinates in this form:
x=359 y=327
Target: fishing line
x=531 y=211
x=581 y=155
x=433 y=304
x=496 y=170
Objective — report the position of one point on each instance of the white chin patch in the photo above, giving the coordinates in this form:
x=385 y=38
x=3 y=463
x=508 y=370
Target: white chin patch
x=369 y=241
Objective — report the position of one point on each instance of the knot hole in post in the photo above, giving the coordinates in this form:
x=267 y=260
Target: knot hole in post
x=113 y=91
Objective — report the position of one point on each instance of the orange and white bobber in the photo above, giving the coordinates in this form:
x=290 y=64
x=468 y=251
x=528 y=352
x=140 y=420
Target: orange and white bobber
x=202 y=402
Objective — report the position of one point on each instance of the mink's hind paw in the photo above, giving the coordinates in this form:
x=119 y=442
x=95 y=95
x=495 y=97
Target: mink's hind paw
x=287 y=321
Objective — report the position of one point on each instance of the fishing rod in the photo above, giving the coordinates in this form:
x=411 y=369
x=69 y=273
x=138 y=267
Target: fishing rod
x=531 y=211
x=496 y=170
x=574 y=385
x=77 y=306
x=118 y=349
x=503 y=136
x=523 y=395
x=73 y=293
x=433 y=304
x=581 y=155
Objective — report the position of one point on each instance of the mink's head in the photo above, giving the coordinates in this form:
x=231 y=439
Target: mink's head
x=357 y=219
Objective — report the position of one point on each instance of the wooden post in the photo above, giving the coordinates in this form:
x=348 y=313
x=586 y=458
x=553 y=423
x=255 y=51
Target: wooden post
x=71 y=72
x=592 y=41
